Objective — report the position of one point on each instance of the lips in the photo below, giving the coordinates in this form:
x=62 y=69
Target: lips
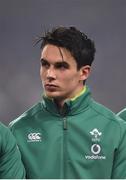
x=50 y=87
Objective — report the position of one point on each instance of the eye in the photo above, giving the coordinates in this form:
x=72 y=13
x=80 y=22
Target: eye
x=62 y=65
x=44 y=63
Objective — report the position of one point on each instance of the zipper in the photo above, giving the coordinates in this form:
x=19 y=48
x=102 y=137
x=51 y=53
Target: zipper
x=64 y=148
x=65 y=123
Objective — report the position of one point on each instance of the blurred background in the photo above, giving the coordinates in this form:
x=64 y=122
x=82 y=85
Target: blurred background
x=22 y=20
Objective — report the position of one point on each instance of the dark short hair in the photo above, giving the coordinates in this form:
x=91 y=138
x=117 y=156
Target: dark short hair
x=76 y=42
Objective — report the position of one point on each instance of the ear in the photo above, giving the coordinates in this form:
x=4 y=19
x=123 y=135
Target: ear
x=85 y=72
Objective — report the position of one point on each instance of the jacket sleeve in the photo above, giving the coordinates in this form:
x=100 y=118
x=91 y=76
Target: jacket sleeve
x=11 y=166
x=119 y=164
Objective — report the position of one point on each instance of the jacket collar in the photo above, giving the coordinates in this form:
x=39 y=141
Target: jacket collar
x=71 y=107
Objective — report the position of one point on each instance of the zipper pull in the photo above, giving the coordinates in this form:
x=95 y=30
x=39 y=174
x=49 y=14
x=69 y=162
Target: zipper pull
x=65 y=123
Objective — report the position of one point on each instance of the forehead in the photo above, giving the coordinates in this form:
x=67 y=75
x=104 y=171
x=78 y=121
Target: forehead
x=54 y=53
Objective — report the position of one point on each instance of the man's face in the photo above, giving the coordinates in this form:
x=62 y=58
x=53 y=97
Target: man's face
x=60 y=77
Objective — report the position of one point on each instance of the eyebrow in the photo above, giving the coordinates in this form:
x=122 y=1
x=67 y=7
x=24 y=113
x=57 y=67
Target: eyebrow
x=58 y=63
x=43 y=60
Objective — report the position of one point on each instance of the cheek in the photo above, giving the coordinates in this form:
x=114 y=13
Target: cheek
x=41 y=73
x=70 y=79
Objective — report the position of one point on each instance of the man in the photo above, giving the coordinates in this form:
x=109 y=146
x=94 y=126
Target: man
x=68 y=135
x=122 y=114
x=11 y=166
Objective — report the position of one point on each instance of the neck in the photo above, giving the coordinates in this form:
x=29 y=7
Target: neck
x=60 y=102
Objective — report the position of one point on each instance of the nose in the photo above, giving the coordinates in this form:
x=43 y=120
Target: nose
x=51 y=74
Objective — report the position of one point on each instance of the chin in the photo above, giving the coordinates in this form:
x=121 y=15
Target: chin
x=52 y=95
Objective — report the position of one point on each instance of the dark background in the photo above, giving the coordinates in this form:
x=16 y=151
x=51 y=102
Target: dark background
x=21 y=20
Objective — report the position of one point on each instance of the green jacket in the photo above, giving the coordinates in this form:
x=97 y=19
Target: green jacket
x=10 y=159
x=86 y=140
x=122 y=114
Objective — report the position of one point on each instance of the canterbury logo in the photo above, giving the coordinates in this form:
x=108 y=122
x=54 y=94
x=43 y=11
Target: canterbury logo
x=32 y=137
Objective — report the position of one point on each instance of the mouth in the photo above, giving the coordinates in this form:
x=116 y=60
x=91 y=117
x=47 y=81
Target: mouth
x=50 y=87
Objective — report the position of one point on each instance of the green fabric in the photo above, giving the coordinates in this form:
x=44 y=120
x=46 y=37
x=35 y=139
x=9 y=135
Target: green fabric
x=85 y=141
x=122 y=114
x=10 y=159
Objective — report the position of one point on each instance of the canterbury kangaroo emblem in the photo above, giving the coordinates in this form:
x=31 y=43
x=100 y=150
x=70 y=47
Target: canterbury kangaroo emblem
x=34 y=137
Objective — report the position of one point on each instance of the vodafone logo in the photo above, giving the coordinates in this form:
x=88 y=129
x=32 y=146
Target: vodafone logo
x=95 y=149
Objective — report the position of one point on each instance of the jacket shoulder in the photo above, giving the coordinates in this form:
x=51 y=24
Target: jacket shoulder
x=106 y=113
x=31 y=112
x=122 y=114
x=3 y=130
